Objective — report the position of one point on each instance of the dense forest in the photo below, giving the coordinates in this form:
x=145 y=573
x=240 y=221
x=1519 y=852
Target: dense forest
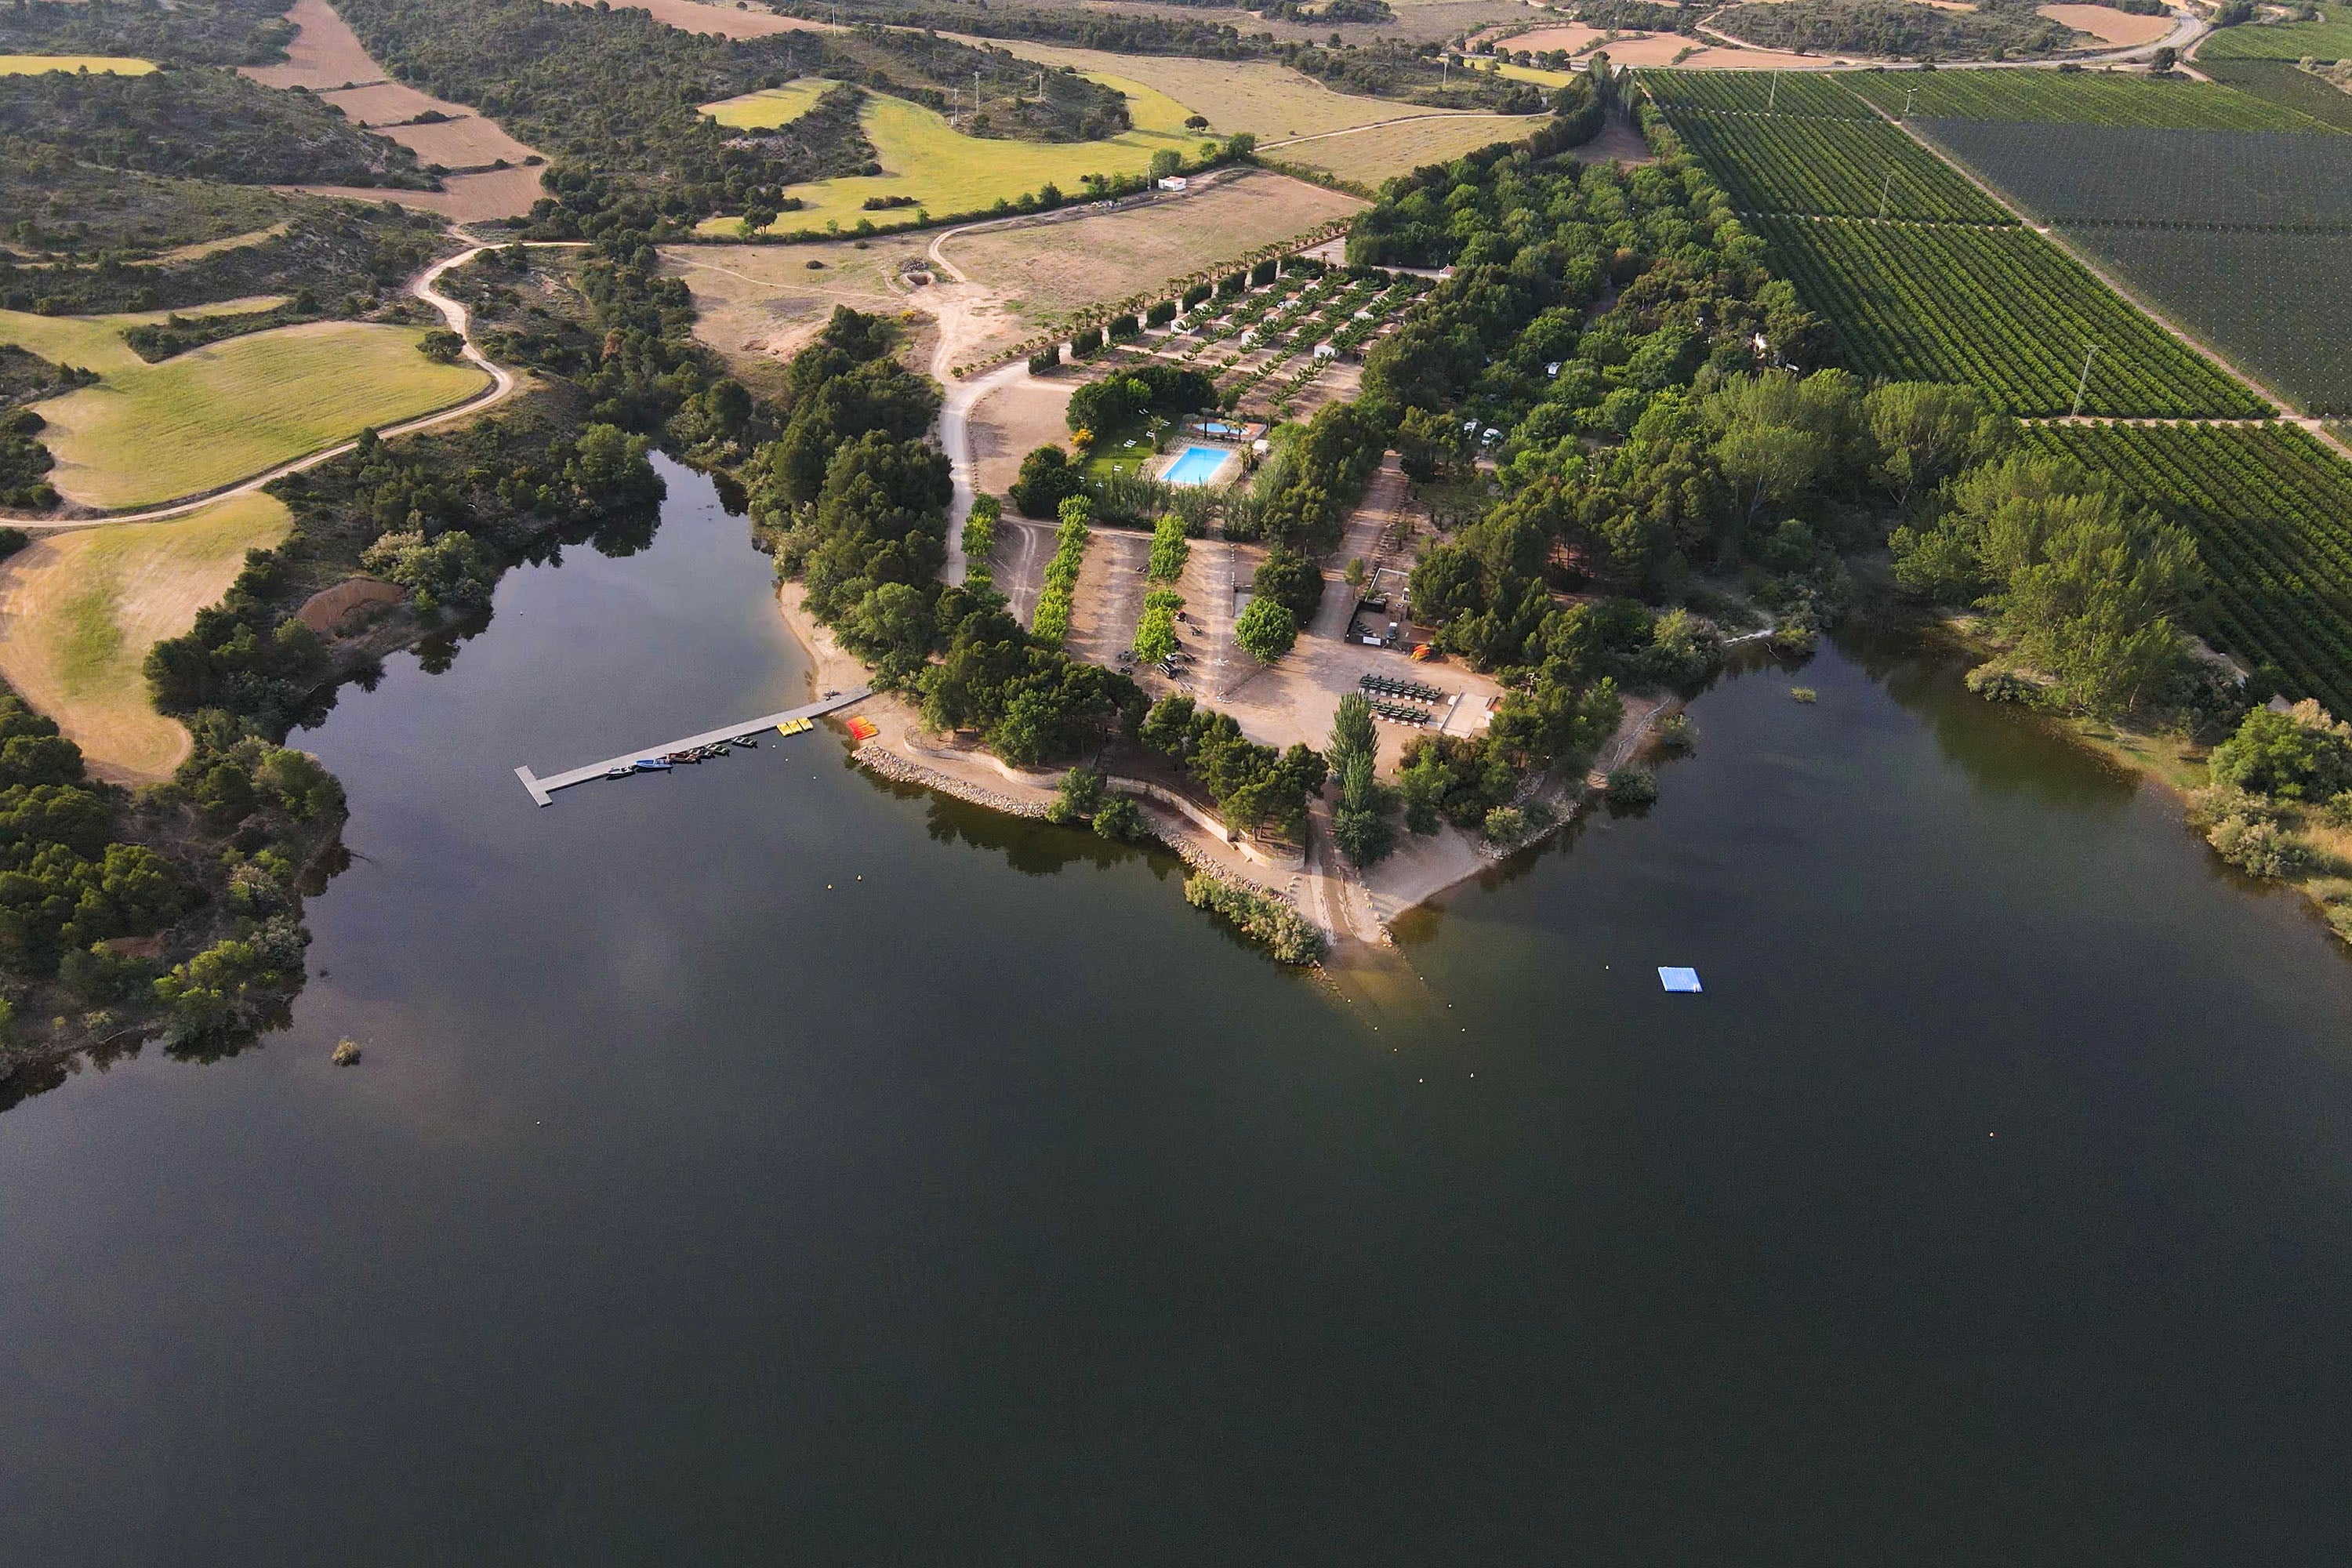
x=204 y=123
x=1897 y=28
x=188 y=31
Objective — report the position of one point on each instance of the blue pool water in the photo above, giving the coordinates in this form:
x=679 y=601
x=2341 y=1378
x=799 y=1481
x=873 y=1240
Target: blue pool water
x=1196 y=466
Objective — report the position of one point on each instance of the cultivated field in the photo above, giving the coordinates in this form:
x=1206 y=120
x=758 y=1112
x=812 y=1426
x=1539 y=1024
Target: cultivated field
x=722 y=21
x=1648 y=49
x=771 y=106
x=150 y=433
x=2272 y=300
x=2267 y=505
x=2330 y=39
x=1271 y=101
x=78 y=612
x=98 y=65
x=325 y=54
x=2285 y=83
x=467 y=198
x=2000 y=308
x=1848 y=168
x=2083 y=97
x=1380 y=153
x=328 y=59
x=943 y=171
x=2128 y=173
x=1811 y=95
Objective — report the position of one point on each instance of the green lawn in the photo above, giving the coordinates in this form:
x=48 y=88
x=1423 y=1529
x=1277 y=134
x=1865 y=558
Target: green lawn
x=946 y=172
x=151 y=433
x=1112 y=455
x=771 y=106
x=95 y=342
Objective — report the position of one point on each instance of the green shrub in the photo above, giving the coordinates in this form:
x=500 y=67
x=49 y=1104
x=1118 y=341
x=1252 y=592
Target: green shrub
x=1286 y=933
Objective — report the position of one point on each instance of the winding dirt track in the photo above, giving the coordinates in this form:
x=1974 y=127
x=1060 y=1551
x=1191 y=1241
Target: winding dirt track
x=502 y=386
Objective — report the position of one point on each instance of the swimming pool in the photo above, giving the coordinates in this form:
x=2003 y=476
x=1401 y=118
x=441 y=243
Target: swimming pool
x=1196 y=465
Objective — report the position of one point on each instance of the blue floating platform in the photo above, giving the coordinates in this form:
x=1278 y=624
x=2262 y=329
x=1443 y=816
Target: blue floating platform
x=1678 y=979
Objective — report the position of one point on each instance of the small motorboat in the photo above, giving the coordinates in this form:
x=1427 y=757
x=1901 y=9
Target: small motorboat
x=675 y=757
x=745 y=740
x=652 y=765
x=623 y=772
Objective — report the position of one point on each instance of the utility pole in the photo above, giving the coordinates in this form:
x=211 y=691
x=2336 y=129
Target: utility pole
x=2083 y=385
x=1772 y=93
x=1908 y=94
x=1882 y=192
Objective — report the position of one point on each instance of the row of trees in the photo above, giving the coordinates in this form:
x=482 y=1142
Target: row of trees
x=853 y=501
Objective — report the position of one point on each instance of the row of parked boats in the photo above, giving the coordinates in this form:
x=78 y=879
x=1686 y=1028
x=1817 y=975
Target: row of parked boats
x=666 y=760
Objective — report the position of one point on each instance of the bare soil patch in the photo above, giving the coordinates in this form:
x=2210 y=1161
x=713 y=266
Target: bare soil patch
x=1661 y=49
x=385 y=103
x=325 y=611
x=467 y=198
x=2120 y=29
x=325 y=54
x=472 y=142
x=1014 y=420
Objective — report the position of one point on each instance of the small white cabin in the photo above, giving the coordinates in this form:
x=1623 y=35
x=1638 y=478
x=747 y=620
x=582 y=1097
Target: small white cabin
x=1173 y=182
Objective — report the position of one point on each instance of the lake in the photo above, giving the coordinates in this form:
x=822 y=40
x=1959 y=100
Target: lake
x=763 y=1163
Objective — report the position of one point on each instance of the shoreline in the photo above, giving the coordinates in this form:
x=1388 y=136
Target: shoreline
x=1419 y=871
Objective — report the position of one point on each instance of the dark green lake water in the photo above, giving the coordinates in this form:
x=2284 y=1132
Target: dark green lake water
x=763 y=1165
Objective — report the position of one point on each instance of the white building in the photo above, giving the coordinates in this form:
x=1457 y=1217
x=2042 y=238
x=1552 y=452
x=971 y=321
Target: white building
x=1173 y=182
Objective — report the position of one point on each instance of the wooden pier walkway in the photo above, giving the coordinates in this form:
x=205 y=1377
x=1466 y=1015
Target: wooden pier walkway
x=542 y=790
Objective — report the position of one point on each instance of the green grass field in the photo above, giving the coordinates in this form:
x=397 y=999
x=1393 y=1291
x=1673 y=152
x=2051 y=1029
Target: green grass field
x=151 y=432
x=95 y=342
x=771 y=106
x=86 y=607
x=1268 y=100
x=100 y=65
x=2083 y=98
x=944 y=171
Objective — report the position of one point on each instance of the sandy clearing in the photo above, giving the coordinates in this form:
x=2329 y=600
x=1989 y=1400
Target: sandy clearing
x=467 y=198
x=1015 y=419
x=323 y=611
x=2120 y=29
x=78 y=612
x=723 y=21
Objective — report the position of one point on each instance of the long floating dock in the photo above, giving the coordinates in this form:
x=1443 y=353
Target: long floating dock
x=542 y=790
